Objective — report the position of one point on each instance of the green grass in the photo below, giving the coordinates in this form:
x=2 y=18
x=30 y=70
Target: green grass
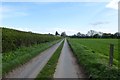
x=49 y=69
x=93 y=55
x=16 y=58
x=0 y=65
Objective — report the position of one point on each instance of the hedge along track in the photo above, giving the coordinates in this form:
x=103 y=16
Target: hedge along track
x=34 y=66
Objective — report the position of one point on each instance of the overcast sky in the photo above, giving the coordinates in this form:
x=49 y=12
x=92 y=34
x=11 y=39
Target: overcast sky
x=71 y=17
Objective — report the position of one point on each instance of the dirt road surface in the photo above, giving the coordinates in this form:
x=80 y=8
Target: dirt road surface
x=67 y=66
x=34 y=66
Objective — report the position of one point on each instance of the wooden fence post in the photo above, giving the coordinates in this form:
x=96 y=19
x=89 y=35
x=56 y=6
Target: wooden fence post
x=111 y=54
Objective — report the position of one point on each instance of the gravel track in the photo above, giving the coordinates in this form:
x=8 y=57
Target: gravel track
x=67 y=65
x=32 y=68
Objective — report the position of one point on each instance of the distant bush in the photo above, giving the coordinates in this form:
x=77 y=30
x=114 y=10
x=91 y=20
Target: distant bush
x=12 y=39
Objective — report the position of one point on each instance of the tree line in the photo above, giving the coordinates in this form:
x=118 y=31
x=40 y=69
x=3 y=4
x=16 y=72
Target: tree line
x=91 y=34
x=95 y=34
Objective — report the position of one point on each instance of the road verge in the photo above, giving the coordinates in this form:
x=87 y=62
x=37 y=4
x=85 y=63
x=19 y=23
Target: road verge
x=17 y=58
x=49 y=69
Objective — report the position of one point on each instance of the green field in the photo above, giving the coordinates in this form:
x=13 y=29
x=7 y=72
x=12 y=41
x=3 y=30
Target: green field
x=93 y=54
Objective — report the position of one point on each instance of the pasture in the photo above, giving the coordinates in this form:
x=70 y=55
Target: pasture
x=93 y=54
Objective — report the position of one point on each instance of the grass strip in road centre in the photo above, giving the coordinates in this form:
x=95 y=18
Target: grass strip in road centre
x=49 y=69
x=14 y=59
x=94 y=64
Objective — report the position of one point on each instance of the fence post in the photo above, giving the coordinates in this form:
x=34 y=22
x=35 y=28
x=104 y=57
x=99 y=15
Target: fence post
x=111 y=54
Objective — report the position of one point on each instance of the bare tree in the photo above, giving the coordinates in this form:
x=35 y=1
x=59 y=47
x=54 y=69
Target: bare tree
x=78 y=34
x=63 y=34
x=91 y=33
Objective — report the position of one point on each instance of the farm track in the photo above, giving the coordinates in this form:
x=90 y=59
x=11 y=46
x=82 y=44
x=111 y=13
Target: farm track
x=67 y=65
x=32 y=68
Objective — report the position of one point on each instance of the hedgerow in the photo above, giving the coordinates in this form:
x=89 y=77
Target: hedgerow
x=13 y=39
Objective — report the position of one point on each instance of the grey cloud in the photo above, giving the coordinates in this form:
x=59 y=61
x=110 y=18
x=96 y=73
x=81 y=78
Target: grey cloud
x=99 y=23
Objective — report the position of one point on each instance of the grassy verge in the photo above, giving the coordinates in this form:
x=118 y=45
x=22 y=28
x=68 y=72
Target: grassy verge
x=94 y=63
x=49 y=69
x=16 y=58
x=0 y=66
